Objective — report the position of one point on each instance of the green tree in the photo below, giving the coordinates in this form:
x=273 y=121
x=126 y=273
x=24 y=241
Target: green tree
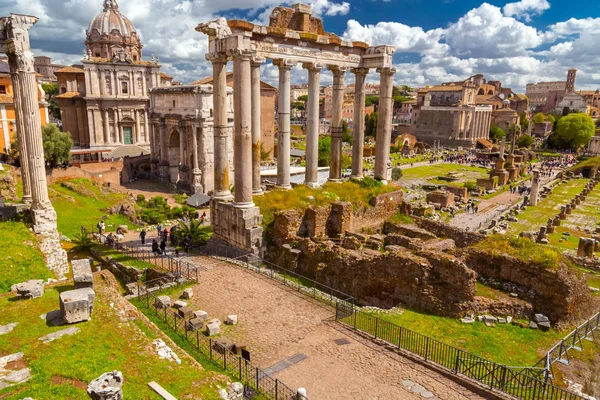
x=298 y=105
x=496 y=133
x=575 y=130
x=57 y=145
x=525 y=141
x=324 y=151
x=303 y=98
x=346 y=133
x=371 y=124
x=523 y=121
x=550 y=118
x=51 y=90
x=398 y=100
x=539 y=117
x=370 y=100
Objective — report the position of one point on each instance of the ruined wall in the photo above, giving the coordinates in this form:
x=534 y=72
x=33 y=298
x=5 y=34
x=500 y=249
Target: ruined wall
x=559 y=293
x=430 y=281
x=461 y=237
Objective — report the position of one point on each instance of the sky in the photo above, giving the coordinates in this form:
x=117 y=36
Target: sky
x=516 y=42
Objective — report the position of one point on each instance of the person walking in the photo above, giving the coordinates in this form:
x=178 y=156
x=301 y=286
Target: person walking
x=163 y=246
x=143 y=236
x=158 y=229
x=102 y=227
x=165 y=234
x=154 y=247
x=99 y=226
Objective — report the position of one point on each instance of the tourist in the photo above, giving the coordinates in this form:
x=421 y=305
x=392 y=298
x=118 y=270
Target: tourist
x=119 y=231
x=143 y=236
x=102 y=227
x=187 y=242
x=163 y=246
x=99 y=226
x=154 y=247
x=158 y=229
x=165 y=234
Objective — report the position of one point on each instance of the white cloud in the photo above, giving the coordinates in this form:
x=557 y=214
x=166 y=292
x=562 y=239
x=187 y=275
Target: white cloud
x=525 y=9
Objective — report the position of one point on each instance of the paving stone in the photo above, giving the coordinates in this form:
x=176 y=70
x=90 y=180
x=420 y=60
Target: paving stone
x=427 y=395
x=58 y=334
x=408 y=383
x=31 y=289
x=179 y=304
x=201 y=314
x=8 y=328
x=418 y=389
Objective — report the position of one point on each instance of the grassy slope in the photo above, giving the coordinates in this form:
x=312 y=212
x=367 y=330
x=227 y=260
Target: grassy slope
x=20 y=258
x=75 y=209
x=278 y=200
x=105 y=343
x=430 y=173
x=506 y=344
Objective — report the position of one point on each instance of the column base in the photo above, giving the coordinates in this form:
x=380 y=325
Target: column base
x=224 y=196
x=356 y=177
x=243 y=205
x=27 y=200
x=312 y=185
x=44 y=219
x=335 y=180
x=239 y=227
x=284 y=187
x=257 y=192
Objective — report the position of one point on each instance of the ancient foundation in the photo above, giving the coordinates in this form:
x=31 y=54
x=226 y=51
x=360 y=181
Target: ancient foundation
x=239 y=227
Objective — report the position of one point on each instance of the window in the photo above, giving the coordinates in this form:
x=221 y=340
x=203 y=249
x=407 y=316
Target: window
x=98 y=54
x=124 y=87
x=173 y=103
x=2 y=89
x=63 y=89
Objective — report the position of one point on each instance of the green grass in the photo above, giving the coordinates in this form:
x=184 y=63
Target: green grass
x=105 y=343
x=506 y=344
x=20 y=259
x=430 y=173
x=83 y=204
x=298 y=198
x=537 y=255
x=123 y=258
x=590 y=162
x=400 y=218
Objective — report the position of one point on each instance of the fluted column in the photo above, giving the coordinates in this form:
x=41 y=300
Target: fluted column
x=221 y=130
x=116 y=126
x=163 y=142
x=358 y=141
x=312 y=126
x=138 y=127
x=105 y=127
x=196 y=173
x=335 y=169
x=384 y=123
x=283 y=135
x=27 y=198
x=242 y=153
x=256 y=125
x=21 y=62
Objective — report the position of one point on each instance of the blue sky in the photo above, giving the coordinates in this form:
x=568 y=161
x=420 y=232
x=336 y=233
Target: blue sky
x=515 y=41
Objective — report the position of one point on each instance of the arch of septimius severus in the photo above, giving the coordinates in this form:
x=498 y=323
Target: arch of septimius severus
x=294 y=36
x=14 y=42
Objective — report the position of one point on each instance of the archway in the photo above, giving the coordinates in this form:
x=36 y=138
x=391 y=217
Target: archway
x=481 y=92
x=127 y=128
x=490 y=92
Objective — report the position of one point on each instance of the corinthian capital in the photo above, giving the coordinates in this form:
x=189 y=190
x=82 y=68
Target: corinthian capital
x=14 y=36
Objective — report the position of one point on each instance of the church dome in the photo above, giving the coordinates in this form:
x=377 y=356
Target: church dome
x=111 y=32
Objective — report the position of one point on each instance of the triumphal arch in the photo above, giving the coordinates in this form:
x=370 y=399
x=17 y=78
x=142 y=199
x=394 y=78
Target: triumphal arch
x=294 y=36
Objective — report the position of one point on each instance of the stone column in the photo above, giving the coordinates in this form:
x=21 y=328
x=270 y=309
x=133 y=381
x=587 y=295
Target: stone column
x=335 y=170
x=102 y=83
x=535 y=186
x=283 y=135
x=20 y=61
x=242 y=105
x=116 y=126
x=106 y=128
x=163 y=142
x=221 y=130
x=312 y=125
x=358 y=142
x=19 y=120
x=196 y=173
x=182 y=143
x=138 y=127
x=384 y=123
x=146 y=128
x=256 y=127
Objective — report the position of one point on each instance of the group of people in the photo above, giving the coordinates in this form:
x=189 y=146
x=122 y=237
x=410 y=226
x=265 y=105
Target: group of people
x=163 y=236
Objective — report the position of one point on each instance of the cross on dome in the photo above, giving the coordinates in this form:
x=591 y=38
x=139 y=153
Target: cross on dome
x=110 y=5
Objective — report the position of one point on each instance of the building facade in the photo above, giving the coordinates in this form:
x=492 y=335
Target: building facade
x=43 y=66
x=544 y=96
x=106 y=103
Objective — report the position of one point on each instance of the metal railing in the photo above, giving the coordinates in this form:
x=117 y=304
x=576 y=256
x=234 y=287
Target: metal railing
x=527 y=383
x=574 y=340
x=238 y=367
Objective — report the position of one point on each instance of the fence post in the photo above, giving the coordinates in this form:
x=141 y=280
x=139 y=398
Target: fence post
x=276 y=388
x=456 y=365
x=376 y=326
x=240 y=367
x=256 y=378
x=426 y=347
x=224 y=358
x=198 y=340
x=211 y=351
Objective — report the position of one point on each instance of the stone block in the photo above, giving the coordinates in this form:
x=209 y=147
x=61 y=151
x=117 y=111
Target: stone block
x=82 y=273
x=187 y=293
x=109 y=386
x=77 y=305
x=351 y=243
x=162 y=302
x=185 y=312
x=231 y=320
x=179 y=304
x=31 y=289
x=540 y=318
x=194 y=324
x=201 y=314
x=544 y=326
x=443 y=198
x=213 y=329
x=532 y=325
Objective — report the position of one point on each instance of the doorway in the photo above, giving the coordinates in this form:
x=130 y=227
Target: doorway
x=127 y=135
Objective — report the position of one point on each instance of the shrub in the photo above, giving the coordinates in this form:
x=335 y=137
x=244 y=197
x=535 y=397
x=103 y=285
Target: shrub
x=370 y=183
x=470 y=185
x=140 y=198
x=396 y=174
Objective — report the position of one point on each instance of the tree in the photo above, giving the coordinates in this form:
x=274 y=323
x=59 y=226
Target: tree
x=398 y=100
x=51 y=90
x=496 y=133
x=57 y=145
x=550 y=118
x=195 y=230
x=370 y=100
x=303 y=98
x=324 y=151
x=523 y=121
x=539 y=117
x=525 y=141
x=298 y=105
x=575 y=130
x=598 y=123
x=346 y=133
x=371 y=124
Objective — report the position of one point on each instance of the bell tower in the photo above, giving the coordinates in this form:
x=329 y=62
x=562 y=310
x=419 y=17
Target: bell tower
x=571 y=75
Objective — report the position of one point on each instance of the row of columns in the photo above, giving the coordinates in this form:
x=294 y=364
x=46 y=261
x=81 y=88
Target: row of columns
x=246 y=72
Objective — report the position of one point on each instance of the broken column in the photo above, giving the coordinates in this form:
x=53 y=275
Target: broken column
x=586 y=247
x=535 y=186
x=82 y=273
x=77 y=305
x=31 y=289
x=335 y=168
x=541 y=238
x=109 y=386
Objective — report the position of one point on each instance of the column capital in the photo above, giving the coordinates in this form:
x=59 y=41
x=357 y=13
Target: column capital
x=217 y=58
x=242 y=54
x=257 y=61
x=284 y=63
x=360 y=71
x=337 y=70
x=313 y=66
x=386 y=71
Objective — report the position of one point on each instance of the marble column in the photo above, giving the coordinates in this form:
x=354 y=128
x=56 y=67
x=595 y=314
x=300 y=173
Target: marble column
x=196 y=173
x=358 y=141
x=20 y=60
x=312 y=125
x=242 y=153
x=138 y=127
x=106 y=128
x=384 y=123
x=283 y=134
x=182 y=144
x=163 y=142
x=146 y=128
x=116 y=126
x=19 y=120
x=221 y=129
x=256 y=125
x=335 y=168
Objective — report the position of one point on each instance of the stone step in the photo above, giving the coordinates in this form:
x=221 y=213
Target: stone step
x=161 y=391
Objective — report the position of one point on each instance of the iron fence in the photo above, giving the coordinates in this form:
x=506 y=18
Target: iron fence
x=241 y=369
x=527 y=383
x=574 y=340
